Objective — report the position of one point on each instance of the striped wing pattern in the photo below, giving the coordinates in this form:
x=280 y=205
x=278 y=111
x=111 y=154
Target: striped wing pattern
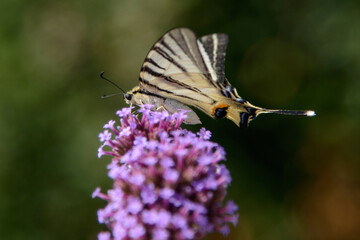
x=213 y=49
x=184 y=68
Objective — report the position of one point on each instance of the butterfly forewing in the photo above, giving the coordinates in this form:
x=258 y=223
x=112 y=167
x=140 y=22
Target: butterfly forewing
x=179 y=67
x=174 y=53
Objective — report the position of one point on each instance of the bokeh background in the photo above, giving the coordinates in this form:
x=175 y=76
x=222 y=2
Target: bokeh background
x=293 y=177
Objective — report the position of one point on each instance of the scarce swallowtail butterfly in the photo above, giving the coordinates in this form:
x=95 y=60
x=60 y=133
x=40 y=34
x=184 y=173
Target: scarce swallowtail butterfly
x=181 y=70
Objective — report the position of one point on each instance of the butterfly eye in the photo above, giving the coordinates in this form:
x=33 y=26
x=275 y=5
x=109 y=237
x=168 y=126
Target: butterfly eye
x=128 y=96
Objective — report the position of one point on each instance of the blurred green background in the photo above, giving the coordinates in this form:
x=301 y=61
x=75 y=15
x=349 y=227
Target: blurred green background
x=293 y=177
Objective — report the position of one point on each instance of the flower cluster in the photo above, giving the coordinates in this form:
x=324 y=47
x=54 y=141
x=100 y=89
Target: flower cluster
x=168 y=182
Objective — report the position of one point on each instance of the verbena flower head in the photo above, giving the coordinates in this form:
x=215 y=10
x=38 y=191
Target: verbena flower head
x=168 y=182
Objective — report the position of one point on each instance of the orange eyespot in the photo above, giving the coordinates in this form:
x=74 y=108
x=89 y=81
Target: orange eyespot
x=221 y=105
x=220 y=111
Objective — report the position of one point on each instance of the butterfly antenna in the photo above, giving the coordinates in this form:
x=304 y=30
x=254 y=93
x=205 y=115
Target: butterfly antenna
x=110 y=95
x=114 y=84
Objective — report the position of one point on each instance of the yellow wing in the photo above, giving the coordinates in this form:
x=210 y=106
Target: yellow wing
x=178 y=68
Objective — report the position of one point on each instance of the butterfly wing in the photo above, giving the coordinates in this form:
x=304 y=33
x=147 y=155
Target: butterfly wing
x=213 y=51
x=181 y=67
x=173 y=106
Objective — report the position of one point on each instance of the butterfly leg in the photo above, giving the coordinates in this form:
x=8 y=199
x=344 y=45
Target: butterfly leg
x=161 y=108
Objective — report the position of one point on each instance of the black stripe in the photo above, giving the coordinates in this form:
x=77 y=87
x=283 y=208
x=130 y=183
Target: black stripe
x=148 y=93
x=154 y=86
x=251 y=110
x=219 y=63
x=163 y=53
x=208 y=44
x=244 y=119
x=149 y=60
x=231 y=91
x=169 y=79
x=207 y=74
x=170 y=59
x=225 y=93
x=185 y=48
x=151 y=72
x=240 y=100
x=168 y=47
x=186 y=51
x=164 y=90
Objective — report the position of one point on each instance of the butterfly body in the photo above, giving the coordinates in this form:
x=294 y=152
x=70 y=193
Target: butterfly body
x=181 y=70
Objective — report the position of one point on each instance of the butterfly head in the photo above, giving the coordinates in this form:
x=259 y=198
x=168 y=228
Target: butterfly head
x=128 y=97
x=135 y=96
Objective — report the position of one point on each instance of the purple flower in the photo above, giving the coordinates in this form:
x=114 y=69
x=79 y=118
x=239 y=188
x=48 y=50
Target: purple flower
x=165 y=193
x=134 y=205
x=104 y=236
x=204 y=134
x=160 y=234
x=148 y=194
x=169 y=183
x=171 y=175
x=137 y=231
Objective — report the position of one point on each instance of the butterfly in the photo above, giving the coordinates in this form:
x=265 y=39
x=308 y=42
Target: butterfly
x=181 y=69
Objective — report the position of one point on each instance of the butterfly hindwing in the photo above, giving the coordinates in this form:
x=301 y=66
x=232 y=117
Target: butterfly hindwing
x=213 y=48
x=173 y=106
